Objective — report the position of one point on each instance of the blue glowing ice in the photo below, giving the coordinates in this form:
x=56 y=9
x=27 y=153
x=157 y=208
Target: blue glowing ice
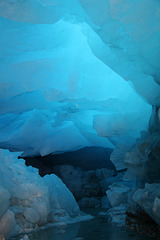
x=56 y=94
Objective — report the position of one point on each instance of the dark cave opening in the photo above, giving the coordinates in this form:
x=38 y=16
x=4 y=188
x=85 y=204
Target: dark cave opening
x=88 y=158
x=86 y=172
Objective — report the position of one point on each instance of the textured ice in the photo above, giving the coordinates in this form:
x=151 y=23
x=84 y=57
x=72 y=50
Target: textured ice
x=148 y=199
x=74 y=73
x=131 y=39
x=27 y=200
x=56 y=94
x=126 y=39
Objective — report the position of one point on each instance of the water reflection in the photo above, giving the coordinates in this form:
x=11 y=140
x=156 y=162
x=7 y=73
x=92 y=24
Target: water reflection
x=96 y=229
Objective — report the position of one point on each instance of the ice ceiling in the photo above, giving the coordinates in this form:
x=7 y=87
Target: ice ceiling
x=77 y=73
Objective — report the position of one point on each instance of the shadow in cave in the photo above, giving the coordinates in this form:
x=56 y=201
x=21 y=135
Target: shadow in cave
x=88 y=158
x=85 y=172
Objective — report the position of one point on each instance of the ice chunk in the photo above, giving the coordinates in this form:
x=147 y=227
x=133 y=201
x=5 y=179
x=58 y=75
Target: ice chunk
x=57 y=191
x=4 y=200
x=7 y=224
x=120 y=127
x=118 y=155
x=148 y=199
x=31 y=215
x=118 y=193
x=25 y=238
x=29 y=200
x=42 y=208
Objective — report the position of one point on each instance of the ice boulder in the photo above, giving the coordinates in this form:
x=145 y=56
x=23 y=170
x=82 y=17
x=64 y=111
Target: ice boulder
x=27 y=200
x=60 y=196
x=7 y=224
x=4 y=200
x=148 y=199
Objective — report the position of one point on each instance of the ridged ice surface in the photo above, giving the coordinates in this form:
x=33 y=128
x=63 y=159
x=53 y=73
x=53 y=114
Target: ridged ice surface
x=57 y=91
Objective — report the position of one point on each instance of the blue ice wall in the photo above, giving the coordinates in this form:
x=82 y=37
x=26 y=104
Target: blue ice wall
x=57 y=92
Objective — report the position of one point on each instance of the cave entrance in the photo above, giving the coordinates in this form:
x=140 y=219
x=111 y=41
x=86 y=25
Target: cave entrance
x=86 y=172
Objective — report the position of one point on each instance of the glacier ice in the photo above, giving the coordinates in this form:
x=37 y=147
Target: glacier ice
x=75 y=73
x=130 y=38
x=149 y=200
x=125 y=33
x=27 y=200
x=54 y=91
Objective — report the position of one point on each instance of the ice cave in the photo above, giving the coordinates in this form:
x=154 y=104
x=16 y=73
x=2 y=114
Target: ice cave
x=79 y=119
